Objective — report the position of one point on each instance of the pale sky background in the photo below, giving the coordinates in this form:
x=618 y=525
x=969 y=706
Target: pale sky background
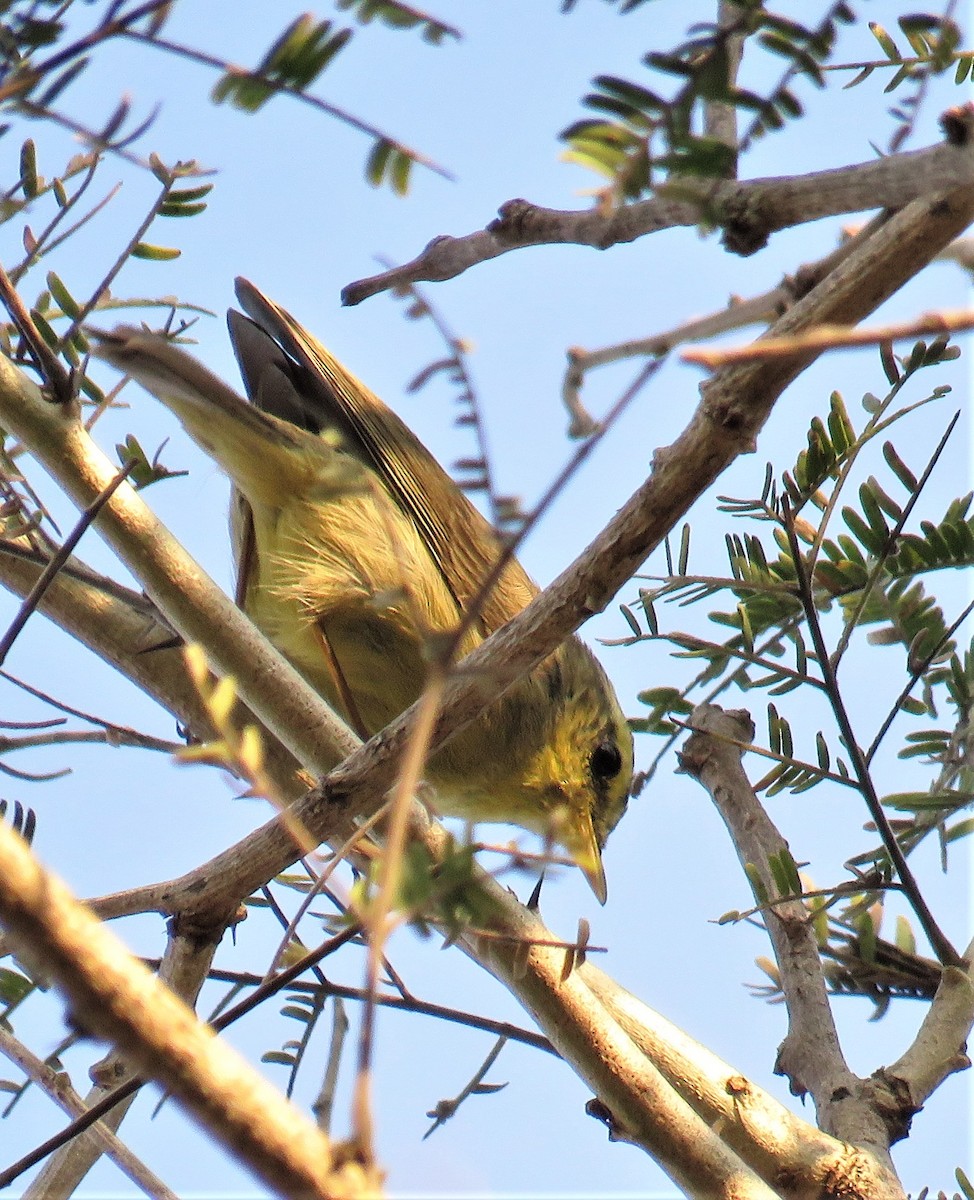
x=291 y=212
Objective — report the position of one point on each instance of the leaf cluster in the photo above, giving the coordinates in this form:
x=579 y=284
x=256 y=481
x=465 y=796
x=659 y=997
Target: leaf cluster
x=866 y=560
x=294 y=62
x=41 y=56
x=50 y=334
x=641 y=132
x=400 y=16
x=935 y=44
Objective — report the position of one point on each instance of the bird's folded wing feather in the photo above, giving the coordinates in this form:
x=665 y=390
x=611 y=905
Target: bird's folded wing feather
x=460 y=540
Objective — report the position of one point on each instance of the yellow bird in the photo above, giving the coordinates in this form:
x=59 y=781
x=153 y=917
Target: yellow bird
x=354 y=548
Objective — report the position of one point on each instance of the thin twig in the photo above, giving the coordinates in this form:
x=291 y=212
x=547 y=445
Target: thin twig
x=915 y=675
x=458 y=359
x=410 y=1004
x=47 y=576
x=445 y=1109
x=124 y=255
x=285 y=89
x=548 y=497
x=29 y=75
x=941 y=946
x=57 y=1086
x=37 y=249
x=380 y=907
x=97 y=1110
x=319 y=881
x=325 y=1100
x=48 y=364
x=877 y=568
x=834 y=337
x=92 y=737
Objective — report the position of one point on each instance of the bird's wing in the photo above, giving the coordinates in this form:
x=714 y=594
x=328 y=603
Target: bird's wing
x=295 y=378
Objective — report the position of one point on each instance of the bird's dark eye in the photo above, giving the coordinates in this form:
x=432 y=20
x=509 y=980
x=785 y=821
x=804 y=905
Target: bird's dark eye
x=606 y=761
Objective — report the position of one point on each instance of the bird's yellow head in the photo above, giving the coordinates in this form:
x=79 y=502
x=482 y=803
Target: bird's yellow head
x=555 y=755
x=583 y=770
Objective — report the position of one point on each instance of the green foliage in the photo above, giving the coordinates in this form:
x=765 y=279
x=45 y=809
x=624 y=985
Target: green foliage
x=141 y=471
x=433 y=892
x=784 y=871
x=400 y=16
x=295 y=61
x=934 y=41
x=866 y=557
x=58 y=315
x=389 y=163
x=305 y=1008
x=14 y=987
x=184 y=202
x=641 y=130
x=35 y=78
x=857 y=960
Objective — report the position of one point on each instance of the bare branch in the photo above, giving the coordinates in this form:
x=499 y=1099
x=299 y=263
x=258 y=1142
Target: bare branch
x=836 y=337
x=939 y=1049
x=115 y=997
x=799 y=1159
x=58 y=560
x=747 y=212
x=58 y=1087
x=720 y=119
x=810 y=1055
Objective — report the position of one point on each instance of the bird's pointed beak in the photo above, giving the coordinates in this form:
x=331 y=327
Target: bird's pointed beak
x=584 y=849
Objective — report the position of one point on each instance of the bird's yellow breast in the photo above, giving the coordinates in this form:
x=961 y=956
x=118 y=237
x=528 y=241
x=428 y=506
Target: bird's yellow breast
x=344 y=565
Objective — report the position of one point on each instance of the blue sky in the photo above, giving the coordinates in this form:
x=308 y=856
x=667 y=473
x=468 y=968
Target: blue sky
x=291 y=212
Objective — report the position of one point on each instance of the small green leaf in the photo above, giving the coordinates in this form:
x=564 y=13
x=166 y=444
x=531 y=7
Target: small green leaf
x=757 y=883
x=155 y=253
x=904 y=937
x=279 y=1057
x=14 y=986
x=29 y=180
x=69 y=306
x=961 y=830
x=180 y=210
x=886 y=43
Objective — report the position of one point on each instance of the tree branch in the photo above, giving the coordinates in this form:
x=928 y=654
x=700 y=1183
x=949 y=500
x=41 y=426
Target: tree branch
x=748 y=212
x=798 y=1159
x=810 y=1055
x=733 y=408
x=939 y=1048
x=57 y=1086
x=113 y=996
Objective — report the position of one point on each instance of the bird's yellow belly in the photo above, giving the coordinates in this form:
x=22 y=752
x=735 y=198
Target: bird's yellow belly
x=352 y=575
